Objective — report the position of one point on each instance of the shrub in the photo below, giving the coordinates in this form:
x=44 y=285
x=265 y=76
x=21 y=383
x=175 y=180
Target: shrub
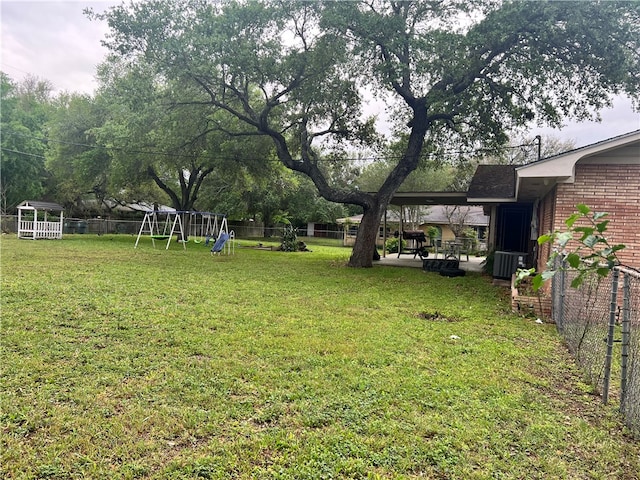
x=391 y=245
x=289 y=239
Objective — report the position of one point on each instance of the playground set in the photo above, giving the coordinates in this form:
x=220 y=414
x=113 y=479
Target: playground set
x=203 y=227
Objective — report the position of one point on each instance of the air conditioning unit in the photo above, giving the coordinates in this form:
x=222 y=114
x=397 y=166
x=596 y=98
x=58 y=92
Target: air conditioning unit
x=505 y=264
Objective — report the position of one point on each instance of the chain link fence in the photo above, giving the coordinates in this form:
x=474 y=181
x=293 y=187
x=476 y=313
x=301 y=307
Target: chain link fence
x=630 y=351
x=98 y=226
x=243 y=229
x=600 y=321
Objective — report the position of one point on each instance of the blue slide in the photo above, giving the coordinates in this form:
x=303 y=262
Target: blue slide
x=220 y=242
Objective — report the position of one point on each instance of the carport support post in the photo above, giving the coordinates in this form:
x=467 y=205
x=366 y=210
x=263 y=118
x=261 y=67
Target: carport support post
x=401 y=230
x=384 y=234
x=612 y=324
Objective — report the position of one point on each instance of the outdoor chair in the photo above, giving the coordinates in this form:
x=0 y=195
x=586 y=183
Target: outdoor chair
x=466 y=246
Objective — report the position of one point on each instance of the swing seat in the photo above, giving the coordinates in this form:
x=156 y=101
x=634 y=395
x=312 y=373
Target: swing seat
x=160 y=237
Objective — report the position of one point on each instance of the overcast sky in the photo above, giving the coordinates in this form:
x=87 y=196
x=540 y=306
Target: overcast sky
x=54 y=40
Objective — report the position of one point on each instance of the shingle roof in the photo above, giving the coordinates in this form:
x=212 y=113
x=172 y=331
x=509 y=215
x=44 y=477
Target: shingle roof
x=493 y=181
x=49 y=206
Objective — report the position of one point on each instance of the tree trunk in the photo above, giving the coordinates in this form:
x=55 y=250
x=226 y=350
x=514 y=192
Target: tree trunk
x=362 y=255
x=365 y=245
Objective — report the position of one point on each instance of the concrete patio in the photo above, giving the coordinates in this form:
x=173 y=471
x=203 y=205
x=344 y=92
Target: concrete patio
x=407 y=260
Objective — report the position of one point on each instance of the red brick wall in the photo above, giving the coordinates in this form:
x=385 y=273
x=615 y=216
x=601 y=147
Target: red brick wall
x=546 y=216
x=606 y=188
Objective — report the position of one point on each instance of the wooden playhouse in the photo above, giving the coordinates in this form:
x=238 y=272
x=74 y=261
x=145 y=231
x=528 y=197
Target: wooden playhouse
x=35 y=220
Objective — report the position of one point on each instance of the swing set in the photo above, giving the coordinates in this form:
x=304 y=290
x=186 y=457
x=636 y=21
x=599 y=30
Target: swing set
x=171 y=221
x=203 y=227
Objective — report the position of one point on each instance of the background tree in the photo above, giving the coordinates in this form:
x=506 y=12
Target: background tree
x=79 y=169
x=150 y=143
x=464 y=74
x=24 y=113
x=160 y=132
x=304 y=205
x=457 y=216
x=265 y=199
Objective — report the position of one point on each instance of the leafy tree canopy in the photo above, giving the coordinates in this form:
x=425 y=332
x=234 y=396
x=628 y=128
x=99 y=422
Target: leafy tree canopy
x=160 y=132
x=78 y=169
x=25 y=110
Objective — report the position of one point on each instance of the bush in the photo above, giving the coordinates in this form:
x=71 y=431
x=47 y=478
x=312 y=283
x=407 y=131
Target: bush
x=289 y=239
x=391 y=245
x=487 y=264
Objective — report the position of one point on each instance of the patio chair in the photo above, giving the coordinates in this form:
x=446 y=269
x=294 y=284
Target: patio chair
x=466 y=245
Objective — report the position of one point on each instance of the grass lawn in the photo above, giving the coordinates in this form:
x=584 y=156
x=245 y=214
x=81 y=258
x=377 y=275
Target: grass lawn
x=123 y=363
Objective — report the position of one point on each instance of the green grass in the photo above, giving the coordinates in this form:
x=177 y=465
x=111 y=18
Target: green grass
x=123 y=363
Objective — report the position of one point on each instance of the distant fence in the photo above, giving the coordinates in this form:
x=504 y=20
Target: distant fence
x=79 y=225
x=101 y=226
x=600 y=321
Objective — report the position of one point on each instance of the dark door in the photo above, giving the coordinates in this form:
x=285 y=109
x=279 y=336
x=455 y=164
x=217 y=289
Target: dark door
x=513 y=227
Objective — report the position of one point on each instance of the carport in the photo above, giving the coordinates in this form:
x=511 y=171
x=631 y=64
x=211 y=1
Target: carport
x=404 y=199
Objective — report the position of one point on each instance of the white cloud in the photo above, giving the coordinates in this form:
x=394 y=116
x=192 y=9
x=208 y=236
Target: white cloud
x=54 y=41
x=618 y=120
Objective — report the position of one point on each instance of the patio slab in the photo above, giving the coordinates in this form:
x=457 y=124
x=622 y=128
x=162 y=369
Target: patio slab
x=392 y=260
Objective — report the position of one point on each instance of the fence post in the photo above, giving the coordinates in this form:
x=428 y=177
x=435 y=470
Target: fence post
x=626 y=337
x=560 y=319
x=612 y=324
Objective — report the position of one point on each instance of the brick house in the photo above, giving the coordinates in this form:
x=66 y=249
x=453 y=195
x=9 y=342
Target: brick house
x=530 y=200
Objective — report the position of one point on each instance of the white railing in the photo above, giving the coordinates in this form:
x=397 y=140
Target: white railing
x=35 y=230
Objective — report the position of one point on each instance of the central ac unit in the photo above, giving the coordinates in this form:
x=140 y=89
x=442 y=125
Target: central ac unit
x=505 y=264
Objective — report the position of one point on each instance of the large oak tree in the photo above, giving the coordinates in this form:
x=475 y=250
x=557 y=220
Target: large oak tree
x=459 y=72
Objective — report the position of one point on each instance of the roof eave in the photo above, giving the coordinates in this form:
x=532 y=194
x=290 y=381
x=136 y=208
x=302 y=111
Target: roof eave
x=563 y=165
x=493 y=200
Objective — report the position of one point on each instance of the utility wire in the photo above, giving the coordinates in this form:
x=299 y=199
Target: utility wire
x=22 y=153
x=100 y=147
x=424 y=156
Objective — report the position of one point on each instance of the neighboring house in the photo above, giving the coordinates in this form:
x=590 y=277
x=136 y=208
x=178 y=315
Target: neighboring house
x=530 y=200
x=139 y=207
x=444 y=216
x=350 y=227
x=322 y=230
x=439 y=216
